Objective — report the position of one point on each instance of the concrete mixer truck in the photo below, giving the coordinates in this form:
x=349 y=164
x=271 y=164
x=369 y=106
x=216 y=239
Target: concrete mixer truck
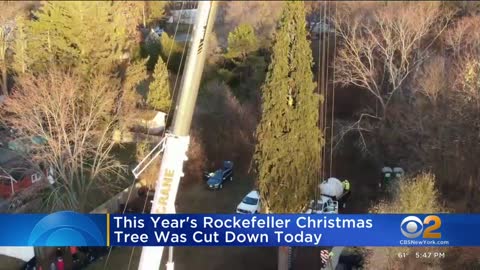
x=332 y=193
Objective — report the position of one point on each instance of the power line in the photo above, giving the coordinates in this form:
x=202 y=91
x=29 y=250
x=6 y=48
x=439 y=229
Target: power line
x=326 y=64
x=168 y=113
x=321 y=84
x=143 y=212
x=316 y=188
x=333 y=88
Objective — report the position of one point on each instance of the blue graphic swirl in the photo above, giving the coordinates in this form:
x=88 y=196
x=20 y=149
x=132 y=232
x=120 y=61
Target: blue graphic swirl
x=66 y=229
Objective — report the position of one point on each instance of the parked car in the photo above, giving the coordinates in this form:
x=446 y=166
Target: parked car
x=159 y=31
x=216 y=179
x=250 y=204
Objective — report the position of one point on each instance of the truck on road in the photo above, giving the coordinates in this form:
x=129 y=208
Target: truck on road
x=332 y=193
x=216 y=179
x=324 y=205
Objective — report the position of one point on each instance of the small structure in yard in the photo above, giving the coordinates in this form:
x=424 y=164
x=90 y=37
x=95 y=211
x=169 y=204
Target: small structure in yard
x=16 y=181
x=184 y=16
x=24 y=145
x=17 y=174
x=155 y=125
x=318 y=28
x=390 y=176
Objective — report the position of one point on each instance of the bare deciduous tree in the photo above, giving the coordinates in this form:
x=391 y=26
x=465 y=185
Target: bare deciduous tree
x=75 y=119
x=382 y=47
x=464 y=37
x=431 y=79
x=235 y=143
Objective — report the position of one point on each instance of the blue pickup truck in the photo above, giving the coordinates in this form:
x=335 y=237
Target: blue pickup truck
x=216 y=179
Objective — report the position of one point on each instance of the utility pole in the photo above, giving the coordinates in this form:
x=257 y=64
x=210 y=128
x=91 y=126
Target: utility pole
x=175 y=144
x=284 y=258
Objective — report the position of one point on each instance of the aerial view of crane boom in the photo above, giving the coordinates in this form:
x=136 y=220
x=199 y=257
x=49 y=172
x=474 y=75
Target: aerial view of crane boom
x=259 y=135
x=176 y=143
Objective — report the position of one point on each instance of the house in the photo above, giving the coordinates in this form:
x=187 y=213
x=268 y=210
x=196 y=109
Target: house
x=14 y=180
x=16 y=174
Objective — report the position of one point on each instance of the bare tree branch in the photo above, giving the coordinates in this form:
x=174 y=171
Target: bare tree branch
x=388 y=40
x=75 y=118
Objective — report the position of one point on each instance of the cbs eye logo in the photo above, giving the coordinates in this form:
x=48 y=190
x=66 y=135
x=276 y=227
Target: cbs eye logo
x=413 y=227
x=66 y=229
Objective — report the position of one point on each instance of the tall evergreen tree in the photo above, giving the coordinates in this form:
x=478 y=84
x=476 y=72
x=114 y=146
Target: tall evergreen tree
x=21 y=59
x=153 y=11
x=287 y=156
x=89 y=38
x=92 y=37
x=159 y=90
x=135 y=74
x=4 y=44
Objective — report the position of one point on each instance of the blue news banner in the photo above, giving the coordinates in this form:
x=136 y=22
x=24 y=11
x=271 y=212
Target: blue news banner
x=73 y=229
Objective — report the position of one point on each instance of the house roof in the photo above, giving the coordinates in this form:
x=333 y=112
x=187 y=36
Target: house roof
x=7 y=155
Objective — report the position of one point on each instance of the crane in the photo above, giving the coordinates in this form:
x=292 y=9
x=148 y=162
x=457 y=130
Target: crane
x=175 y=142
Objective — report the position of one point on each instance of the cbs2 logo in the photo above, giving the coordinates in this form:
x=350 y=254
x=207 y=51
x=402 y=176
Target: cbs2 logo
x=412 y=227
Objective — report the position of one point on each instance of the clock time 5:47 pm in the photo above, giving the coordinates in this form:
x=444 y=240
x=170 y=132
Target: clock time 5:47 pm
x=427 y=255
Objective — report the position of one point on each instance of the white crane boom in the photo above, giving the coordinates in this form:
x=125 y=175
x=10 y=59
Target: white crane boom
x=176 y=143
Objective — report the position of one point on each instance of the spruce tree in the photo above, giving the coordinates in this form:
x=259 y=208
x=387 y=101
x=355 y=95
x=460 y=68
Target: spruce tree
x=135 y=74
x=287 y=155
x=4 y=45
x=241 y=41
x=90 y=37
x=21 y=59
x=154 y=11
x=159 y=90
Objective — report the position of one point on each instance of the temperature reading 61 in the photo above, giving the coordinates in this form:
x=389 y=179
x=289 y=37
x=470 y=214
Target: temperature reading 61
x=402 y=255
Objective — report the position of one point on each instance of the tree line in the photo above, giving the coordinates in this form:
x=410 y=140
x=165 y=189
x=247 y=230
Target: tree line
x=71 y=72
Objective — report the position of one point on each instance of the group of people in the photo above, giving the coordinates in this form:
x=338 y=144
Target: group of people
x=57 y=264
x=81 y=256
